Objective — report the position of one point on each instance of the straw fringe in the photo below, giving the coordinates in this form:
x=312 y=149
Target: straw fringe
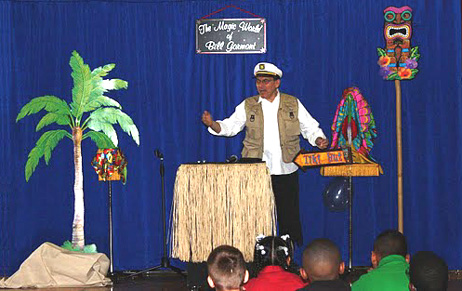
x=216 y=204
x=353 y=170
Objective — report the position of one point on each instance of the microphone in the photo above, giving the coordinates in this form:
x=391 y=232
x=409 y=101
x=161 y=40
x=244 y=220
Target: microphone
x=158 y=154
x=232 y=159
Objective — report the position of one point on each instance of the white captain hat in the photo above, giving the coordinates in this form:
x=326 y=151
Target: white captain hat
x=267 y=69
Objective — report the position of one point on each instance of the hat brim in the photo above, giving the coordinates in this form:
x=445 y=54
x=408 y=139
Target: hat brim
x=264 y=73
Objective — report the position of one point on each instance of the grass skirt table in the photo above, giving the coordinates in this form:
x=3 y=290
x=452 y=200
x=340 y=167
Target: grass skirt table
x=216 y=204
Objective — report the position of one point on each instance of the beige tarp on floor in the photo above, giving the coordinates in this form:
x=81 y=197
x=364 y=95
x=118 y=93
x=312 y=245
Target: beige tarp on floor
x=52 y=266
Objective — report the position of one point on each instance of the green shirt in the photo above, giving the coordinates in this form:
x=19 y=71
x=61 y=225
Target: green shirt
x=390 y=275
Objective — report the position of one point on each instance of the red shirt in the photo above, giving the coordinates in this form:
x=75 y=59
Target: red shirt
x=275 y=278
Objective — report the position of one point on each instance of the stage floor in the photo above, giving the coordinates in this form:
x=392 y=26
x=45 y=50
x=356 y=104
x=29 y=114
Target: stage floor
x=169 y=281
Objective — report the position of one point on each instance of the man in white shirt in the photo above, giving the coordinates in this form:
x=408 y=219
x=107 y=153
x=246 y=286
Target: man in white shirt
x=273 y=123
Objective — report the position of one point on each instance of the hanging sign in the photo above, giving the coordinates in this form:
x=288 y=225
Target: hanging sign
x=231 y=36
x=316 y=159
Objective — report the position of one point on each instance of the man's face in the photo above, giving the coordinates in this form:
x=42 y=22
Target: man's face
x=267 y=86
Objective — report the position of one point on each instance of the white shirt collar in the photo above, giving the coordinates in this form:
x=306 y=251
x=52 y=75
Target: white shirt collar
x=260 y=99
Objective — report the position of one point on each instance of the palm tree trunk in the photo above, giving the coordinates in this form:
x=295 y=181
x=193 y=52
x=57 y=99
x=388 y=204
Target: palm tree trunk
x=78 y=237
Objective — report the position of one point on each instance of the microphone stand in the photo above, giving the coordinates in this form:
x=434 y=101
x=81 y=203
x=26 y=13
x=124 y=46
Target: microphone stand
x=165 y=262
x=350 y=206
x=111 y=254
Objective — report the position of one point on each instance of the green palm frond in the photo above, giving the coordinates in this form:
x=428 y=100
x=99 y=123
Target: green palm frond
x=101 y=101
x=49 y=118
x=102 y=140
x=48 y=102
x=43 y=148
x=107 y=128
x=114 y=84
x=113 y=115
x=95 y=96
x=102 y=71
x=99 y=86
x=97 y=83
x=81 y=75
x=96 y=90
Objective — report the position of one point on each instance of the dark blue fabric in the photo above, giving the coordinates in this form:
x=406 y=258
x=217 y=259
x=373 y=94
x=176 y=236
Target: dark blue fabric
x=322 y=47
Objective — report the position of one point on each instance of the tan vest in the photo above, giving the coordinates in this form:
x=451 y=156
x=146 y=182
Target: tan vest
x=289 y=128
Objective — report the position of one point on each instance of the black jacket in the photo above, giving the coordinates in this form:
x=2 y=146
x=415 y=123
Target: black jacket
x=333 y=285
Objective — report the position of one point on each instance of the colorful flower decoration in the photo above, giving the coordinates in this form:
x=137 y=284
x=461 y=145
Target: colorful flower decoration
x=384 y=61
x=354 y=112
x=404 y=73
x=109 y=162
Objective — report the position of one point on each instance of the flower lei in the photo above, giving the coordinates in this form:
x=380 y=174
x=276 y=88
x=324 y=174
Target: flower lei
x=108 y=161
x=404 y=73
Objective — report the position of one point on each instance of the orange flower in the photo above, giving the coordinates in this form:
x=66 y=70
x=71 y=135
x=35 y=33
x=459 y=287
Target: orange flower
x=404 y=73
x=383 y=61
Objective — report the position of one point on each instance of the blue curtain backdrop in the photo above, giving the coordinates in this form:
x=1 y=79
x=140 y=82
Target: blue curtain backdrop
x=322 y=47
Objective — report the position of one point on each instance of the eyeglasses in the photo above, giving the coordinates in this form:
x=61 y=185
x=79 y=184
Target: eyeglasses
x=264 y=81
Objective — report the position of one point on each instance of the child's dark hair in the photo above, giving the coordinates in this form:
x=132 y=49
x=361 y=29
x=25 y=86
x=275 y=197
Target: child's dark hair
x=427 y=271
x=390 y=242
x=272 y=251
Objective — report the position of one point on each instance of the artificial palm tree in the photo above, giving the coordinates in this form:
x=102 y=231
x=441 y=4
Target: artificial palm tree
x=89 y=115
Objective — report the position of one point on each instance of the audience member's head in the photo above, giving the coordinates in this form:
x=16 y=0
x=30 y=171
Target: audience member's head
x=322 y=261
x=428 y=272
x=389 y=242
x=226 y=268
x=273 y=251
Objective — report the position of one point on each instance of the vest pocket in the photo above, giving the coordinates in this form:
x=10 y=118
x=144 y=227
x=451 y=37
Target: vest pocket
x=253 y=142
x=289 y=153
x=291 y=124
x=254 y=126
x=290 y=139
x=254 y=133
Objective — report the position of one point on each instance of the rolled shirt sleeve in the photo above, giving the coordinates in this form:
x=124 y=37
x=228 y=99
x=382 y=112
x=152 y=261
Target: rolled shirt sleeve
x=309 y=127
x=233 y=124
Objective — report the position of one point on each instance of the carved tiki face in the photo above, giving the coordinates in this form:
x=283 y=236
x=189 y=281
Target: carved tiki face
x=398 y=32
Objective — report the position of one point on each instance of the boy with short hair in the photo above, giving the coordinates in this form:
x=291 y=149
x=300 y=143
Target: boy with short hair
x=226 y=268
x=322 y=265
x=428 y=272
x=390 y=262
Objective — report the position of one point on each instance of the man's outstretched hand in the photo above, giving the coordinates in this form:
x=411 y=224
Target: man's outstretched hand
x=207 y=119
x=322 y=143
